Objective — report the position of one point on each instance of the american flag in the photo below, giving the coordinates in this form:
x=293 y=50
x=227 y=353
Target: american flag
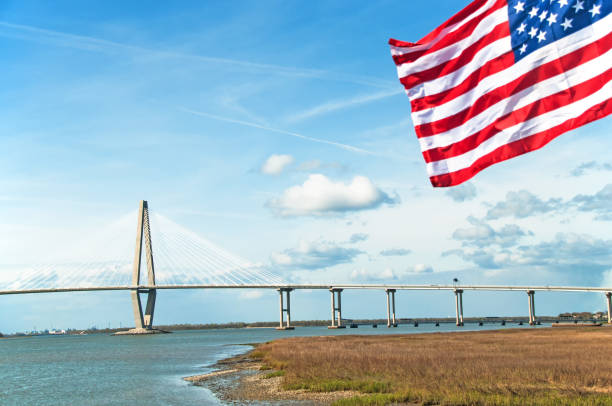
x=505 y=77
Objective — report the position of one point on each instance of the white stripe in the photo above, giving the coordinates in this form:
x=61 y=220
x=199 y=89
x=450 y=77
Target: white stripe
x=442 y=83
x=520 y=131
x=407 y=50
x=443 y=55
x=544 y=55
x=538 y=91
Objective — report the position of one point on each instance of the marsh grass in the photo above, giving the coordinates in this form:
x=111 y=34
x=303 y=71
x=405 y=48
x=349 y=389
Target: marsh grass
x=274 y=374
x=509 y=367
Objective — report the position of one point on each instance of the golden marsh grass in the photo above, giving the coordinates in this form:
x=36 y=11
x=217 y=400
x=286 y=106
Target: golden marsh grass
x=509 y=367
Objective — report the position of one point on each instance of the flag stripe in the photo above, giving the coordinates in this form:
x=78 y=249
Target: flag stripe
x=460 y=38
x=489 y=45
x=520 y=131
x=538 y=107
x=437 y=85
x=522 y=146
x=541 y=57
x=462 y=49
x=503 y=81
x=492 y=53
x=472 y=11
x=553 y=75
x=491 y=67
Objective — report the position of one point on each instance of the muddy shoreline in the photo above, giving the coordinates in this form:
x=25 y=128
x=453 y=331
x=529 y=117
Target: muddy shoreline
x=241 y=379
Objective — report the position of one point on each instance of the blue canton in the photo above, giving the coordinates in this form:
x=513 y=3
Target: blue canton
x=537 y=23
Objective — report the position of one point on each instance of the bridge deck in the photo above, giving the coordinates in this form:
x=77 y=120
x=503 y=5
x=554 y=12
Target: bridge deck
x=320 y=287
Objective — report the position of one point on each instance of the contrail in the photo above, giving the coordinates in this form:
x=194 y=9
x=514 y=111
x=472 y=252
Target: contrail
x=59 y=38
x=343 y=104
x=279 y=131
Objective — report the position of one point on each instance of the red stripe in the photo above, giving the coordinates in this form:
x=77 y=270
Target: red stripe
x=451 y=38
x=409 y=57
x=523 y=146
x=458 y=17
x=544 y=105
x=446 y=67
x=490 y=68
x=546 y=71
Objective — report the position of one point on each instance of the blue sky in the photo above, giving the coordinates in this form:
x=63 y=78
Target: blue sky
x=279 y=131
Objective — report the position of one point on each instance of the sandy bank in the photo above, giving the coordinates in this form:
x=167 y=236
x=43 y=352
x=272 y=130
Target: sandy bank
x=240 y=378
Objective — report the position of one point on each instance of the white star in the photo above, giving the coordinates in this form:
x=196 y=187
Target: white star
x=578 y=6
x=523 y=49
x=533 y=12
x=533 y=32
x=542 y=16
x=595 y=10
x=562 y=3
x=552 y=19
x=541 y=36
x=567 y=23
x=521 y=29
x=519 y=6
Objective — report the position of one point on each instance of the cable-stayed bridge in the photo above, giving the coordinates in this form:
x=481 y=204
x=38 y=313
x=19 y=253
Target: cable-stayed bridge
x=184 y=260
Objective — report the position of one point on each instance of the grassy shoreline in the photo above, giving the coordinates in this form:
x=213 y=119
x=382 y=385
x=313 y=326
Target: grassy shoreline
x=502 y=367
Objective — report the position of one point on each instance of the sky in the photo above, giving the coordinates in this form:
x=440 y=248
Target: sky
x=279 y=131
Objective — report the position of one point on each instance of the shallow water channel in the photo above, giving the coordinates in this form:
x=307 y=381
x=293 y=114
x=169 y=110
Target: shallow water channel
x=100 y=369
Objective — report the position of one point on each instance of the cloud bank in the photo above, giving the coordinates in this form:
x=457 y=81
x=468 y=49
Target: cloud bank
x=523 y=204
x=392 y=252
x=462 y=193
x=314 y=255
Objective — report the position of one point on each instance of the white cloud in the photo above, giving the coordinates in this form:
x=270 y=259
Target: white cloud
x=276 y=164
x=319 y=195
x=389 y=274
x=373 y=276
x=358 y=237
x=481 y=234
x=421 y=268
x=314 y=255
x=578 y=254
x=522 y=204
x=462 y=193
x=590 y=166
x=392 y=252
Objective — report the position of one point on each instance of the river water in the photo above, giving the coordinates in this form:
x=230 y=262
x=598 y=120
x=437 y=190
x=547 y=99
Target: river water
x=100 y=369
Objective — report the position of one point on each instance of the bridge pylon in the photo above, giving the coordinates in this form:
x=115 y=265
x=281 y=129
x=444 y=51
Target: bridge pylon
x=143 y=321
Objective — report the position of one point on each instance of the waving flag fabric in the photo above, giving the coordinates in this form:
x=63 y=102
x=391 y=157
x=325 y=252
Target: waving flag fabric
x=505 y=77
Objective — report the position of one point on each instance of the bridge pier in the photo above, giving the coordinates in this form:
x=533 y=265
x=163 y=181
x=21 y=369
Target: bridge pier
x=336 y=309
x=285 y=310
x=609 y=300
x=143 y=322
x=137 y=309
x=391 y=308
x=532 y=317
x=459 y=307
